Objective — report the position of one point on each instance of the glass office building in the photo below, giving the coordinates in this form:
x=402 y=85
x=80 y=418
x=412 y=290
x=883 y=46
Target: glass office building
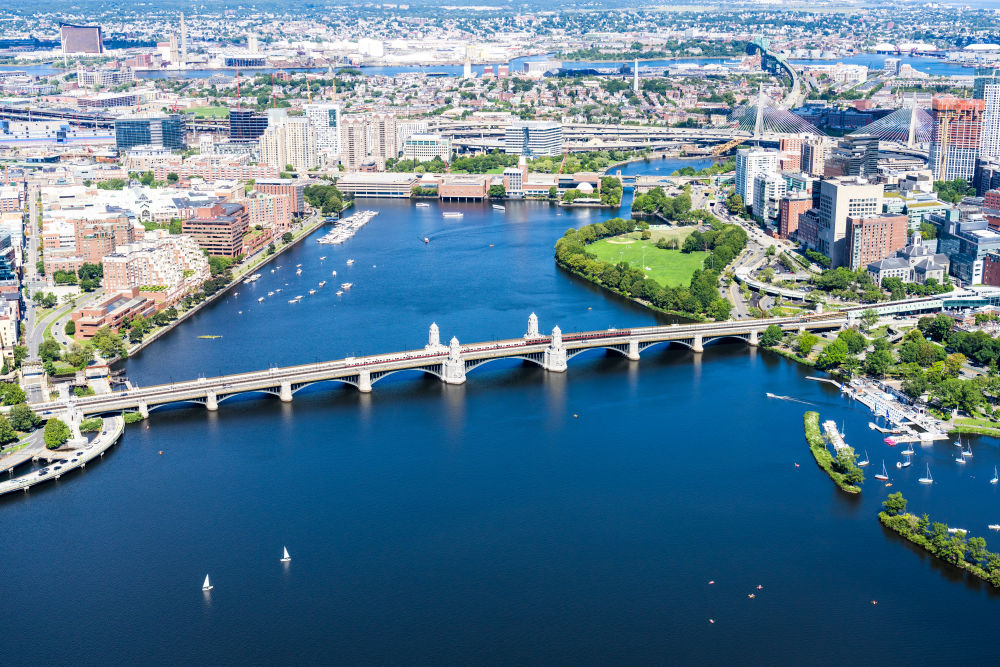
x=167 y=131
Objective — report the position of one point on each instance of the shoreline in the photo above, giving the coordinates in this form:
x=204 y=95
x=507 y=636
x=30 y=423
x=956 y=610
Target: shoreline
x=238 y=277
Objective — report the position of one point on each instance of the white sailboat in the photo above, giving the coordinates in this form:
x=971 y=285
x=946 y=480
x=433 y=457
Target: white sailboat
x=883 y=475
x=996 y=478
x=285 y=558
x=908 y=451
x=862 y=463
x=904 y=464
x=207 y=586
x=961 y=457
x=928 y=479
x=967 y=453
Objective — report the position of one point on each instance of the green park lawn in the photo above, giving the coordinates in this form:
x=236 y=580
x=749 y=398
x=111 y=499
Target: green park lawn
x=670 y=268
x=210 y=112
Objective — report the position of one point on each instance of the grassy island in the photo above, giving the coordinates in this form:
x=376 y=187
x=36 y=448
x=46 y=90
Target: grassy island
x=842 y=470
x=956 y=548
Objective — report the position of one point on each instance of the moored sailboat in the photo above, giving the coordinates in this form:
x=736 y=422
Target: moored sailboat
x=883 y=475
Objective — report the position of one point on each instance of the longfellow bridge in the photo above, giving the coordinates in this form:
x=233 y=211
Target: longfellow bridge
x=450 y=362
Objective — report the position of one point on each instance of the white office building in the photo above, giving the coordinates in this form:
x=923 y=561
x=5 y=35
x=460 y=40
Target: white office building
x=534 y=139
x=989 y=137
x=424 y=147
x=769 y=188
x=325 y=121
x=751 y=162
x=288 y=140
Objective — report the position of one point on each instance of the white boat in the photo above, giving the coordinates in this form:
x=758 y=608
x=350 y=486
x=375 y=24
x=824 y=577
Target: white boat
x=883 y=475
x=498 y=207
x=928 y=479
x=259 y=299
x=298 y=272
x=285 y=558
x=908 y=451
x=862 y=463
x=346 y=286
x=423 y=204
x=996 y=478
x=298 y=265
x=312 y=291
x=967 y=453
x=904 y=464
x=960 y=458
x=278 y=290
x=453 y=214
x=322 y=282
x=207 y=586
x=334 y=274
x=293 y=301
x=339 y=292
x=426 y=240
x=958 y=530
x=994 y=526
x=270 y=293
x=322 y=258
x=350 y=261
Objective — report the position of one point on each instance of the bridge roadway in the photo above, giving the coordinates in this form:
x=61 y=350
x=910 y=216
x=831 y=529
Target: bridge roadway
x=448 y=363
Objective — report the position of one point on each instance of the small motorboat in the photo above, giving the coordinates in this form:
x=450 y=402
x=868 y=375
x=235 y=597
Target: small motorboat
x=259 y=299
x=322 y=258
x=334 y=274
x=453 y=214
x=423 y=205
x=339 y=292
x=312 y=291
x=889 y=441
x=298 y=272
x=346 y=286
x=426 y=240
x=322 y=282
x=270 y=293
x=994 y=526
x=350 y=262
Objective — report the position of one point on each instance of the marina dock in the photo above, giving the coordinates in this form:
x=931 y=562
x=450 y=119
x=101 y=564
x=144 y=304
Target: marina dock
x=77 y=457
x=835 y=436
x=347 y=228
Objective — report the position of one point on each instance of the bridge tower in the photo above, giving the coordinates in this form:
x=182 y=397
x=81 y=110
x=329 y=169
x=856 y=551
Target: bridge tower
x=434 y=339
x=453 y=368
x=532 y=331
x=912 y=132
x=555 y=354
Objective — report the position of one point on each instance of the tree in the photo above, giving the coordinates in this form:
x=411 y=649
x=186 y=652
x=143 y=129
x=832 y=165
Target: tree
x=806 y=343
x=855 y=340
x=70 y=328
x=172 y=177
x=953 y=364
x=23 y=418
x=869 y=318
x=12 y=393
x=49 y=350
x=771 y=336
x=719 y=310
x=79 y=354
x=56 y=433
x=894 y=504
x=735 y=204
x=287 y=237
x=7 y=433
x=832 y=355
x=497 y=191
x=878 y=363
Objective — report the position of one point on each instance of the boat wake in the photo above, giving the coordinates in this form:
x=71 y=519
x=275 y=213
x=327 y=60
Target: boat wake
x=788 y=398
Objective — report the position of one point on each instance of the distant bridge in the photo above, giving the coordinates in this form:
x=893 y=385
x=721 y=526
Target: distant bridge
x=449 y=363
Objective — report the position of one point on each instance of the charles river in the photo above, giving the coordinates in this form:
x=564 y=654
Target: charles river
x=524 y=517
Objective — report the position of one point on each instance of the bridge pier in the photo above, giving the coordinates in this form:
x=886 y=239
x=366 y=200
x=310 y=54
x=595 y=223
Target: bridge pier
x=453 y=368
x=144 y=409
x=365 y=382
x=753 y=339
x=212 y=401
x=698 y=345
x=554 y=359
x=285 y=394
x=633 y=349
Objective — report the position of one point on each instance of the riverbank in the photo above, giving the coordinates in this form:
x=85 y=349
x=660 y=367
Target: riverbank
x=822 y=455
x=239 y=273
x=946 y=544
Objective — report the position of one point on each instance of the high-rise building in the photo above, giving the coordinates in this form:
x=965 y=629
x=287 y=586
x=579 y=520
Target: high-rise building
x=890 y=66
x=382 y=143
x=769 y=188
x=534 y=138
x=81 y=38
x=791 y=208
x=874 y=238
x=246 y=124
x=288 y=140
x=853 y=156
x=750 y=162
x=467 y=70
x=984 y=76
x=635 y=76
x=989 y=137
x=184 y=41
x=353 y=141
x=840 y=199
x=813 y=156
x=168 y=131
x=325 y=121
x=955 y=131
x=252 y=44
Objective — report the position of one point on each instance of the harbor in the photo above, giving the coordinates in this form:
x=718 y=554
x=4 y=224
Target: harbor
x=347 y=228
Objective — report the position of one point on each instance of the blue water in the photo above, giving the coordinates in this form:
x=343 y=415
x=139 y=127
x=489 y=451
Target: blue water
x=523 y=517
